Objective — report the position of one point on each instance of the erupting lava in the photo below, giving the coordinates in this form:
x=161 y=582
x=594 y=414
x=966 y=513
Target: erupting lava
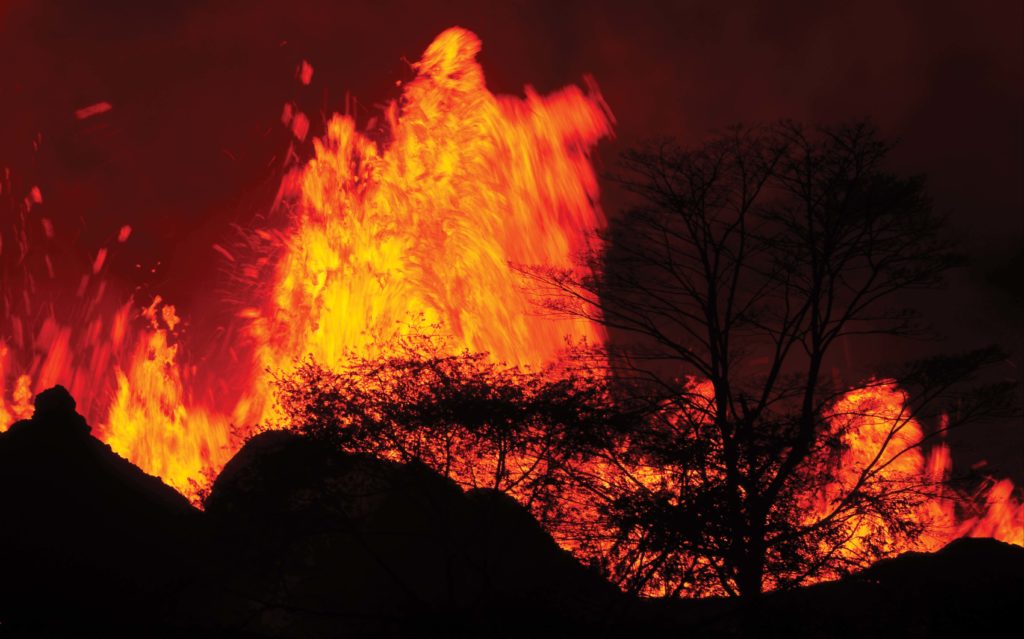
x=422 y=231
x=383 y=238
x=876 y=422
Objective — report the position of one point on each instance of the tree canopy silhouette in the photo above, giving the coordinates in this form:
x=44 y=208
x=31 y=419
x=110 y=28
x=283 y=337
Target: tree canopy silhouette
x=480 y=423
x=727 y=290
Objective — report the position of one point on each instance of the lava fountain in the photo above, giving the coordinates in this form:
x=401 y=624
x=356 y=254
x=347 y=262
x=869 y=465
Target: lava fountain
x=419 y=232
x=422 y=233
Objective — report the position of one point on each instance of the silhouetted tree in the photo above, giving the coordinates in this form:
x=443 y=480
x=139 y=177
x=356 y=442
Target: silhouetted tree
x=480 y=423
x=749 y=259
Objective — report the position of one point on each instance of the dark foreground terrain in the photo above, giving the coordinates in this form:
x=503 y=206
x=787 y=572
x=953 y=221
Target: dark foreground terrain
x=300 y=541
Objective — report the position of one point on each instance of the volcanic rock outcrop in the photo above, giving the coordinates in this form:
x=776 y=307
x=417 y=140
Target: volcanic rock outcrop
x=375 y=545
x=86 y=537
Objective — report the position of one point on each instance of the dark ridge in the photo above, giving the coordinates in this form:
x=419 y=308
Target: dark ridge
x=972 y=587
x=300 y=540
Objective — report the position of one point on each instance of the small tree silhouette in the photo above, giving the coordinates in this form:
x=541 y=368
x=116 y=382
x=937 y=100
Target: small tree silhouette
x=480 y=423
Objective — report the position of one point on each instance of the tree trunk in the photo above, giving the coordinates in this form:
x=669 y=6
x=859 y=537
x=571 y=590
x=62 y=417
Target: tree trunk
x=750 y=573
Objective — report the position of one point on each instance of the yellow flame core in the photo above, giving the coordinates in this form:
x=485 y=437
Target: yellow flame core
x=425 y=230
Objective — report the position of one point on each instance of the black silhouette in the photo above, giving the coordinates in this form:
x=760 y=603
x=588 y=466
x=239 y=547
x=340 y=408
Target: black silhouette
x=300 y=540
x=87 y=538
x=326 y=539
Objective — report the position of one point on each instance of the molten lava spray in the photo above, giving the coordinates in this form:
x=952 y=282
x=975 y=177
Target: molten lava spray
x=423 y=231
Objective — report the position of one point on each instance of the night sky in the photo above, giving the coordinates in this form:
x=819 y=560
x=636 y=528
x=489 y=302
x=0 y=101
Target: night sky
x=194 y=143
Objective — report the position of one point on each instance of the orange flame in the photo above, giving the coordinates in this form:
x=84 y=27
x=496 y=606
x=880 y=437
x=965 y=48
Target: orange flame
x=880 y=433
x=151 y=420
x=999 y=513
x=423 y=232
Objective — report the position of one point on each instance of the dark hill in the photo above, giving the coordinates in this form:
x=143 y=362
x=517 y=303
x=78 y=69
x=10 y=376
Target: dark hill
x=972 y=587
x=299 y=540
x=372 y=546
x=86 y=537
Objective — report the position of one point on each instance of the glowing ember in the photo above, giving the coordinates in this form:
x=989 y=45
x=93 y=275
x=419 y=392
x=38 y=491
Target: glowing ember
x=92 y=110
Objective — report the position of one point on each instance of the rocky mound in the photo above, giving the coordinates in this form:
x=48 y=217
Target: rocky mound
x=85 y=535
x=970 y=588
x=386 y=547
